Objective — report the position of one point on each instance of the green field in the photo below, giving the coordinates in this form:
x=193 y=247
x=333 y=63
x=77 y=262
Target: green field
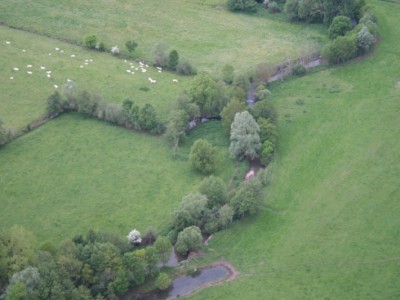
x=202 y=31
x=23 y=99
x=330 y=227
x=73 y=174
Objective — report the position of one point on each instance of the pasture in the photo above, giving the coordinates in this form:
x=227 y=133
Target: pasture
x=23 y=98
x=203 y=32
x=75 y=173
x=330 y=226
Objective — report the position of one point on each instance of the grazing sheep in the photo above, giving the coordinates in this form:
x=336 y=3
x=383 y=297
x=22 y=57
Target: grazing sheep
x=57 y=49
x=81 y=66
x=49 y=54
x=62 y=51
x=8 y=42
x=16 y=69
x=72 y=55
x=29 y=66
x=23 y=50
x=175 y=80
x=29 y=72
x=11 y=78
x=55 y=86
x=128 y=71
x=42 y=68
x=48 y=75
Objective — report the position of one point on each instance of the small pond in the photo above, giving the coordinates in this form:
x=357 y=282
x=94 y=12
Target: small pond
x=186 y=285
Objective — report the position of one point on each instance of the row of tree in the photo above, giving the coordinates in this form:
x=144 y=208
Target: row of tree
x=97 y=266
x=128 y=115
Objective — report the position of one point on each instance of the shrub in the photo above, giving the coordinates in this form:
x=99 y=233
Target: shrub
x=131 y=45
x=90 y=41
x=149 y=237
x=226 y=214
x=185 y=68
x=228 y=113
x=267 y=150
x=242 y=5
x=134 y=237
x=299 y=70
x=246 y=199
x=55 y=104
x=115 y=50
x=341 y=49
x=273 y=8
x=264 y=109
x=101 y=47
x=189 y=239
x=164 y=248
x=339 y=27
x=203 y=156
x=163 y=281
x=227 y=73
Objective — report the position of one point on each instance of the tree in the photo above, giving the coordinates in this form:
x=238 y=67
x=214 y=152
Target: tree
x=228 y=113
x=364 y=40
x=203 y=92
x=245 y=139
x=148 y=118
x=340 y=25
x=246 y=199
x=163 y=281
x=55 y=104
x=176 y=127
x=173 y=59
x=29 y=277
x=190 y=211
x=164 y=248
x=203 y=156
x=131 y=45
x=264 y=109
x=341 y=49
x=226 y=214
x=242 y=5
x=215 y=190
x=333 y=8
x=189 y=239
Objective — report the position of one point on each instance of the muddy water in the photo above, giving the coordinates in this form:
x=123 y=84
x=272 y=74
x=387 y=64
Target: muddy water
x=186 y=285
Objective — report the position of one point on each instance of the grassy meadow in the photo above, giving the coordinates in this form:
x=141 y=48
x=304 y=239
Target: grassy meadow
x=330 y=225
x=75 y=173
x=23 y=99
x=202 y=31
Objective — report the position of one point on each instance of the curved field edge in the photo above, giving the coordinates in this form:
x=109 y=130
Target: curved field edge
x=74 y=173
x=330 y=227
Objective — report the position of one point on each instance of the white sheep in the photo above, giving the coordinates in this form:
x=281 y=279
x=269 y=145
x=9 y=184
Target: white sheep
x=8 y=42
x=29 y=72
x=42 y=68
x=16 y=69
x=72 y=55
x=81 y=66
x=23 y=50
x=128 y=71
x=55 y=86
x=11 y=78
x=29 y=66
x=57 y=49
x=175 y=80
x=48 y=75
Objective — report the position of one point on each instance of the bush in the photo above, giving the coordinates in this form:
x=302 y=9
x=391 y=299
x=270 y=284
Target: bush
x=299 y=70
x=163 y=281
x=134 y=237
x=203 y=156
x=131 y=45
x=267 y=150
x=227 y=73
x=55 y=104
x=190 y=211
x=273 y=8
x=242 y=5
x=90 y=41
x=339 y=27
x=189 y=239
x=185 y=68
x=246 y=199
x=215 y=190
x=101 y=47
x=341 y=49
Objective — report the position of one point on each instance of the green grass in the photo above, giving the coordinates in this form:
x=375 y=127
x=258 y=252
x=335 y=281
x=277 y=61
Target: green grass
x=330 y=226
x=74 y=173
x=23 y=99
x=204 y=32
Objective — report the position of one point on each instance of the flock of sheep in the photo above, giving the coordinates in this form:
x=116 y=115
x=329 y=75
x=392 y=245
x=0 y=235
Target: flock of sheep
x=141 y=68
